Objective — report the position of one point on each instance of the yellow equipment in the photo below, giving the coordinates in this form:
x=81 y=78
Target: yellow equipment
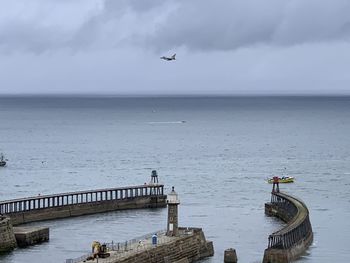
x=99 y=250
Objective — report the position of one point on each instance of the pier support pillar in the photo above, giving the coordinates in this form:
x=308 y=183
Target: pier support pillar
x=230 y=256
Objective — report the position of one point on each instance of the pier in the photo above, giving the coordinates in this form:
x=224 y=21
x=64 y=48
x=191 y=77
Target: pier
x=173 y=245
x=188 y=246
x=292 y=240
x=44 y=207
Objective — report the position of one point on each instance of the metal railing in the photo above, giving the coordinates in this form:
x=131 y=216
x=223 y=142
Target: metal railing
x=126 y=248
x=82 y=197
x=298 y=228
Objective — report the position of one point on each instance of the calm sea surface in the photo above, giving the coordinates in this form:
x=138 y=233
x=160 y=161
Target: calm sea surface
x=217 y=152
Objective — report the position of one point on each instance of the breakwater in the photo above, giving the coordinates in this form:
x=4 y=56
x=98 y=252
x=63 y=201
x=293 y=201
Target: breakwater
x=38 y=208
x=189 y=245
x=292 y=240
x=175 y=245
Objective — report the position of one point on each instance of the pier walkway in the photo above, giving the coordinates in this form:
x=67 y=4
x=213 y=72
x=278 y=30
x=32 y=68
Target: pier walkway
x=43 y=207
x=120 y=250
x=189 y=244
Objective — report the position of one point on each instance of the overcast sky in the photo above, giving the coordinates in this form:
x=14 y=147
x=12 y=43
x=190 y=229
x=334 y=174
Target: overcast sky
x=222 y=46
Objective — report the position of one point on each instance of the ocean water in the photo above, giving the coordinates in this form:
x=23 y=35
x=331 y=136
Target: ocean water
x=217 y=152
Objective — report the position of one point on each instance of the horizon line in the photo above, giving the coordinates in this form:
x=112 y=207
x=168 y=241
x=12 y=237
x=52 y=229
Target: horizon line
x=111 y=95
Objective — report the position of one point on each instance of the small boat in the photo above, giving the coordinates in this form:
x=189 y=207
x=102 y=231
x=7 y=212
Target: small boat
x=283 y=179
x=2 y=161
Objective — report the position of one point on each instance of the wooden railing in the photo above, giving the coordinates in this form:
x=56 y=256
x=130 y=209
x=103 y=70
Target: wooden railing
x=81 y=197
x=296 y=215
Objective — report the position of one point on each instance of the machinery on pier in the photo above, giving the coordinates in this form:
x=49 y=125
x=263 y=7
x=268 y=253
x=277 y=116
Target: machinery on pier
x=98 y=251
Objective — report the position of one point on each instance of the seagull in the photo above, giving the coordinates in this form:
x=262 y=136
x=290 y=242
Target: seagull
x=169 y=58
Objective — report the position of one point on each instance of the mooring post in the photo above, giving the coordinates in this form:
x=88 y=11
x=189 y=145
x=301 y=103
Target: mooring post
x=230 y=256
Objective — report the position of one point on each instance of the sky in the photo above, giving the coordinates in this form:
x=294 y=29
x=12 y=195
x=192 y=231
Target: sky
x=223 y=47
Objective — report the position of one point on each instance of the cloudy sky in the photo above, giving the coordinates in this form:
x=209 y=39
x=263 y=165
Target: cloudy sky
x=222 y=46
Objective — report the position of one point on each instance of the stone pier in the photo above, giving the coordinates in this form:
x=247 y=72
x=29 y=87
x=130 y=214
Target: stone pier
x=45 y=207
x=189 y=246
x=290 y=242
x=176 y=244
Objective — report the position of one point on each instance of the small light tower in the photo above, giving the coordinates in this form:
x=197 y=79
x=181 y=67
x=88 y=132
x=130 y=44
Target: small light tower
x=173 y=203
x=275 y=186
x=154 y=181
x=154 y=177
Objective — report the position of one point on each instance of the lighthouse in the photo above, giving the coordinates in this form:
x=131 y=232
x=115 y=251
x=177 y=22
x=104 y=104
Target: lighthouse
x=173 y=220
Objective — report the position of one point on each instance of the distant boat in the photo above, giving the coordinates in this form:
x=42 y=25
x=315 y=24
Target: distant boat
x=284 y=179
x=2 y=161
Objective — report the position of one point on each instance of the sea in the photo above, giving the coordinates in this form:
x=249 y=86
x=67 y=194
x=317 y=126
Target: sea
x=216 y=151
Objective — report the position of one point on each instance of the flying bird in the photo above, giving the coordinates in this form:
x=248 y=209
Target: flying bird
x=169 y=58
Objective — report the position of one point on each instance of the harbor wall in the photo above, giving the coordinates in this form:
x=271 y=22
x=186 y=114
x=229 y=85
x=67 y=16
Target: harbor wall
x=7 y=236
x=290 y=242
x=87 y=208
x=183 y=249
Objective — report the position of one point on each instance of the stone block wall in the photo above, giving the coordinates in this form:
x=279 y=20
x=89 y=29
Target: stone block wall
x=184 y=249
x=27 y=236
x=7 y=236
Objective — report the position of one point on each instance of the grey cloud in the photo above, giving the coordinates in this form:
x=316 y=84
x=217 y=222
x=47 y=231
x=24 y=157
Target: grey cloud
x=29 y=37
x=136 y=5
x=314 y=21
x=195 y=24
x=41 y=25
x=219 y=25
x=119 y=22
x=227 y=25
